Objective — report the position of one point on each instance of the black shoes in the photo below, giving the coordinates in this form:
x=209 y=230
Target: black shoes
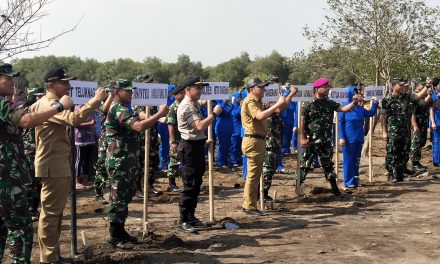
x=267 y=198
x=195 y=222
x=120 y=243
x=417 y=167
x=153 y=190
x=408 y=171
x=254 y=212
x=173 y=188
x=395 y=177
x=186 y=227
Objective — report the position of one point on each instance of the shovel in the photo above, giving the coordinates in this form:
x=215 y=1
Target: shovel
x=88 y=250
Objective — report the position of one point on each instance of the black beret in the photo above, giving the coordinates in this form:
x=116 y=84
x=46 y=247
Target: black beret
x=191 y=81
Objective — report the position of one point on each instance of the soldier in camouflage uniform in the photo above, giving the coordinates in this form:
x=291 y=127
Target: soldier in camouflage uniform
x=420 y=126
x=409 y=120
x=101 y=177
x=122 y=160
x=317 y=125
x=273 y=147
x=173 y=166
x=15 y=219
x=33 y=188
x=395 y=109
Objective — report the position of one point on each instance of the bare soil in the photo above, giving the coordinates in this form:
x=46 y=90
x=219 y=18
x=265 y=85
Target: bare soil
x=377 y=223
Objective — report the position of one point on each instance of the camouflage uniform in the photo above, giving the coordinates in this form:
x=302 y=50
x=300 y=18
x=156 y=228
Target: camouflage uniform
x=15 y=219
x=397 y=110
x=122 y=160
x=419 y=139
x=408 y=130
x=34 y=187
x=318 y=127
x=154 y=151
x=173 y=166
x=273 y=146
x=101 y=176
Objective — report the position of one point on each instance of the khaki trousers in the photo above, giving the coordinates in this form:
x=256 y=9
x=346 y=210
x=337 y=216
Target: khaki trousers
x=255 y=150
x=54 y=193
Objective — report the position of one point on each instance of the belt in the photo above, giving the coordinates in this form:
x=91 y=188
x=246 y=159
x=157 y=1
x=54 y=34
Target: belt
x=254 y=136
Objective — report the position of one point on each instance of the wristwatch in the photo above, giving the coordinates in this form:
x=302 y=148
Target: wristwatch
x=58 y=106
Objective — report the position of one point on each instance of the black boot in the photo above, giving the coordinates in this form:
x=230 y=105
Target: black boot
x=140 y=192
x=408 y=171
x=267 y=198
x=334 y=187
x=127 y=236
x=399 y=176
x=116 y=237
x=391 y=177
x=99 y=198
x=417 y=167
x=194 y=221
x=172 y=187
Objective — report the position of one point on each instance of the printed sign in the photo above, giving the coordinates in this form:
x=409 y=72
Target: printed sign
x=81 y=91
x=216 y=91
x=272 y=93
x=304 y=94
x=149 y=94
x=373 y=91
x=338 y=94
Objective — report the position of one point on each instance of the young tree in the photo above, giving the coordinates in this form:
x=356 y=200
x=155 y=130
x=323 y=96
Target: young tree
x=381 y=31
x=16 y=17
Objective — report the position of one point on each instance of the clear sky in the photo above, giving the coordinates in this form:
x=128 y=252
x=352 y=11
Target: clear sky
x=210 y=31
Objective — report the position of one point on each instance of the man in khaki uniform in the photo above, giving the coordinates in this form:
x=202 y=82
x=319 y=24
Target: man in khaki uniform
x=254 y=120
x=52 y=161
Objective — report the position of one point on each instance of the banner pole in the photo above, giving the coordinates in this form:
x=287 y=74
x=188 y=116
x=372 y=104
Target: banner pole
x=336 y=143
x=298 y=152
x=146 y=172
x=210 y=164
x=370 y=154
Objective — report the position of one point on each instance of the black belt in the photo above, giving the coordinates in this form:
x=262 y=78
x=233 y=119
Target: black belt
x=254 y=136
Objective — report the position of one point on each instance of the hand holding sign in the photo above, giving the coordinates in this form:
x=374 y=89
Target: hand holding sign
x=217 y=110
x=163 y=109
x=66 y=101
x=100 y=94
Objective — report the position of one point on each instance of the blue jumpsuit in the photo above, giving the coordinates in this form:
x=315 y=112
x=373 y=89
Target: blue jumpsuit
x=236 y=154
x=436 y=132
x=224 y=128
x=288 y=118
x=351 y=128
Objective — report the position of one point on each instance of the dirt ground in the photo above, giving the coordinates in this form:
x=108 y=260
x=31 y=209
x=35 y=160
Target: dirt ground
x=377 y=223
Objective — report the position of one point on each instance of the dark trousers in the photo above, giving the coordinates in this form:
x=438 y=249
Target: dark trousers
x=193 y=160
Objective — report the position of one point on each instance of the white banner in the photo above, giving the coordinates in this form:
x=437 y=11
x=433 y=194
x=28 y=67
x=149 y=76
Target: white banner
x=149 y=94
x=304 y=94
x=216 y=91
x=338 y=94
x=373 y=91
x=81 y=91
x=272 y=93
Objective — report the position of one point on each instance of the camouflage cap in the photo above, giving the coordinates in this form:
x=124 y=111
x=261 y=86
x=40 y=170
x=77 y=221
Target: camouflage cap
x=6 y=69
x=144 y=78
x=37 y=91
x=124 y=84
x=421 y=80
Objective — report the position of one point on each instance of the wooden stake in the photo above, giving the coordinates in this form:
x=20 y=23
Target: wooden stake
x=336 y=143
x=298 y=153
x=370 y=154
x=210 y=164
x=146 y=173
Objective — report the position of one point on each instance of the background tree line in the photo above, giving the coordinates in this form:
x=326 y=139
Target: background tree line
x=367 y=41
